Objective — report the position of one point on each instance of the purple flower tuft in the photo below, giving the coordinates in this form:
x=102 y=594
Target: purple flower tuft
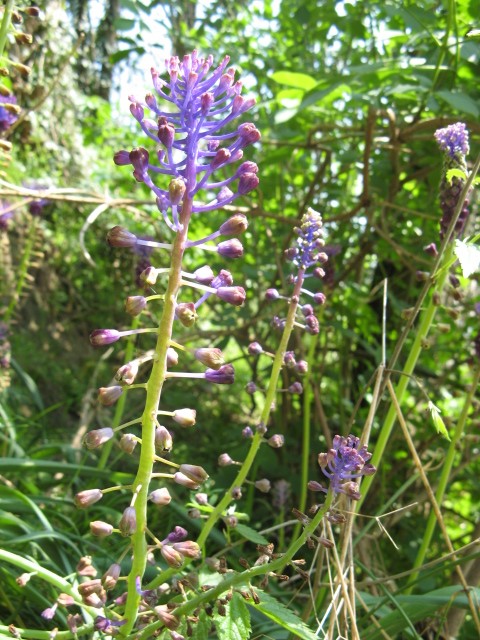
x=453 y=139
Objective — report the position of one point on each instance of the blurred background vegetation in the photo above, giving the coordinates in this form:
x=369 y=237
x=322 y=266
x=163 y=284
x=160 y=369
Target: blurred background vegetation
x=349 y=95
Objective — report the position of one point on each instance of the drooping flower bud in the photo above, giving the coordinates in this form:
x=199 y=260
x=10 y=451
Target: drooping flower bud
x=276 y=441
x=128 y=522
x=127 y=372
x=224 y=375
x=163 y=439
x=194 y=472
x=121 y=238
x=172 y=357
x=88 y=497
x=210 y=356
x=176 y=190
x=186 y=313
x=134 y=305
x=230 y=248
x=187 y=549
x=233 y=295
x=234 y=226
x=224 y=460
x=185 y=481
x=204 y=275
x=172 y=557
x=185 y=417
x=109 y=395
x=101 y=529
x=128 y=442
x=263 y=485
x=255 y=349
x=160 y=497
x=97 y=437
x=272 y=294
x=102 y=337
x=111 y=576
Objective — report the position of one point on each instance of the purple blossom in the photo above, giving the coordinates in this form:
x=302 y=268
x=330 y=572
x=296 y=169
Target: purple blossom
x=6 y=214
x=453 y=139
x=201 y=102
x=307 y=251
x=7 y=116
x=344 y=463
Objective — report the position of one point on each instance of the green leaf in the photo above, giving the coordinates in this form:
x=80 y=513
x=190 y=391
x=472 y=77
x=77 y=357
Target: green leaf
x=469 y=257
x=297 y=80
x=235 y=625
x=455 y=173
x=250 y=534
x=460 y=101
x=283 y=616
x=437 y=421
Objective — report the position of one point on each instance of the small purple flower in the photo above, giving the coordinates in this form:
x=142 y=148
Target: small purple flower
x=344 y=463
x=310 y=240
x=453 y=139
x=224 y=375
x=8 y=114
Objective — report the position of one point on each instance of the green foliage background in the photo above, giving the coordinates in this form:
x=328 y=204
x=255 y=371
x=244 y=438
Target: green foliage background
x=349 y=96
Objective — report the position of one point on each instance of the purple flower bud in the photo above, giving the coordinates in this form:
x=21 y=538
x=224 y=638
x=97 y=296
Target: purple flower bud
x=248 y=134
x=221 y=157
x=313 y=485
x=201 y=498
x=301 y=367
x=312 y=324
x=247 y=432
x=166 y=132
x=234 y=226
x=289 y=359
x=185 y=417
x=160 y=497
x=272 y=294
x=263 y=485
x=137 y=111
x=255 y=349
x=232 y=295
x=186 y=313
x=276 y=441
x=291 y=253
x=206 y=101
x=177 y=535
x=139 y=158
x=121 y=238
x=111 y=576
x=247 y=182
x=88 y=497
x=128 y=442
x=295 y=388
x=431 y=249
x=318 y=272
x=210 y=357
x=251 y=387
x=204 y=275
x=230 y=248
x=166 y=618
x=128 y=522
x=224 y=375
x=319 y=298
x=109 y=395
x=102 y=337
x=97 y=437
x=194 y=472
x=48 y=614
x=134 y=305
x=307 y=310
x=163 y=439
x=122 y=158
x=101 y=529
x=224 y=279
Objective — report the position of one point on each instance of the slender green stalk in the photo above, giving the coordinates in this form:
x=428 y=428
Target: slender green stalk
x=154 y=390
x=7 y=16
x=267 y=408
x=245 y=578
x=444 y=477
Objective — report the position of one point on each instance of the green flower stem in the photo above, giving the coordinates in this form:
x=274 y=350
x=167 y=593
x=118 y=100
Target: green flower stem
x=242 y=579
x=306 y=431
x=269 y=399
x=22 y=270
x=154 y=390
x=444 y=477
x=426 y=321
x=7 y=16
